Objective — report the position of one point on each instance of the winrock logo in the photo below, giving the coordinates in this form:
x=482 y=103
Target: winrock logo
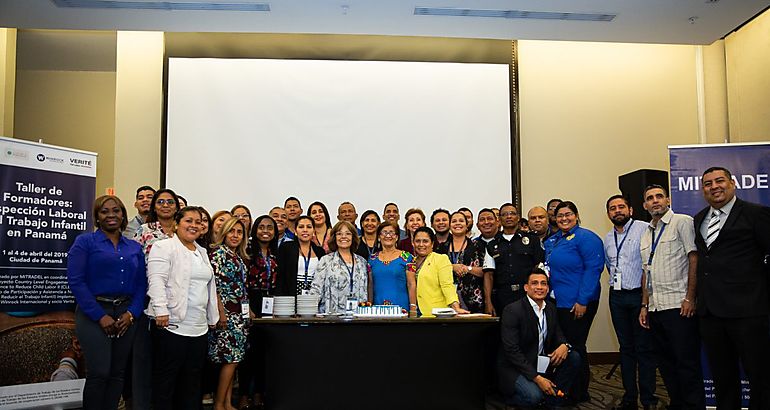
x=82 y=163
x=42 y=157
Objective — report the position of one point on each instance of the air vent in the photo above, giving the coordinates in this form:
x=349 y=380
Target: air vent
x=512 y=14
x=161 y=5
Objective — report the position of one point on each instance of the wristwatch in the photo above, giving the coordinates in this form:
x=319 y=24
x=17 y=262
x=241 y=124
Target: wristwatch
x=645 y=305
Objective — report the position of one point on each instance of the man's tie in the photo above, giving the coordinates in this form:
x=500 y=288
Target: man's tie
x=713 y=230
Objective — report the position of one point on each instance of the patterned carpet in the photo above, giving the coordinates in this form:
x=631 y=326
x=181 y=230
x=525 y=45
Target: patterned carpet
x=605 y=393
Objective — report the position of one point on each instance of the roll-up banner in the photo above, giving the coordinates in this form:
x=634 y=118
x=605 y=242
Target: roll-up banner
x=750 y=166
x=46 y=194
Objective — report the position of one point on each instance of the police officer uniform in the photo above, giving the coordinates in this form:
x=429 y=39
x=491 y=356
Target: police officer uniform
x=511 y=261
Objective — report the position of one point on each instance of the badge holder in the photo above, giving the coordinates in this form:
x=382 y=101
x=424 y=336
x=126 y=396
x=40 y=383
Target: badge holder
x=267 y=306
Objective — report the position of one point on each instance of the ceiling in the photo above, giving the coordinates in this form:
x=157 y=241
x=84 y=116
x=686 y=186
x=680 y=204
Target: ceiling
x=637 y=21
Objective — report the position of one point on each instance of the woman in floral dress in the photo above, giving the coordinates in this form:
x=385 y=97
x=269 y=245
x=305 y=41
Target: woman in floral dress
x=227 y=343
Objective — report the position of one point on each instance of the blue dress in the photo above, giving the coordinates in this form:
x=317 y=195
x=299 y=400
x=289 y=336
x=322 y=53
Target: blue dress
x=389 y=279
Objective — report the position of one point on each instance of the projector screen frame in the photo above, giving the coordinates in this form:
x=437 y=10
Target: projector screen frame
x=351 y=48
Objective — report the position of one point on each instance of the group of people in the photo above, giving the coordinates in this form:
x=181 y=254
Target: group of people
x=175 y=285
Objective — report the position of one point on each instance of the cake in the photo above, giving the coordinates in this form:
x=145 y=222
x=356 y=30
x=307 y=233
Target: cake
x=366 y=309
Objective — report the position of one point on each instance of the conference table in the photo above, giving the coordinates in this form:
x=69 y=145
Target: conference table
x=398 y=363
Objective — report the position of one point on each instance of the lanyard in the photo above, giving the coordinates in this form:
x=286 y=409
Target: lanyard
x=374 y=246
x=268 y=267
x=306 y=259
x=655 y=242
x=542 y=331
x=556 y=243
x=350 y=270
x=618 y=247
x=455 y=256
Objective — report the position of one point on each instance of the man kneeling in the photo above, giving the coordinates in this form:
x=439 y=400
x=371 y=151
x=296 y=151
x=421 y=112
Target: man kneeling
x=535 y=364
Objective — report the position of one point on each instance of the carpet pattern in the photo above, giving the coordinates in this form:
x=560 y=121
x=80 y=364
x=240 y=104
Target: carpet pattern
x=605 y=393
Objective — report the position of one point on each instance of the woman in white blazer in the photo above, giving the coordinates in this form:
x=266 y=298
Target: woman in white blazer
x=183 y=303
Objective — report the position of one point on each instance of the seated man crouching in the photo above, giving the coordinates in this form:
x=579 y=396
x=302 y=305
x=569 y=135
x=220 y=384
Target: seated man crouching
x=530 y=333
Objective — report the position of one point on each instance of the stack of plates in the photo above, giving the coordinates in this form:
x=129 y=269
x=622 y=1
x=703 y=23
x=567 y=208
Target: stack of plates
x=307 y=305
x=283 y=306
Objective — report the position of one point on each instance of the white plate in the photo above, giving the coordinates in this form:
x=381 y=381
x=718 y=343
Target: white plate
x=445 y=315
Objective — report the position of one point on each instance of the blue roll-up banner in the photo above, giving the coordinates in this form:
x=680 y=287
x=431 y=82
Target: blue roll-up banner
x=750 y=166
x=46 y=194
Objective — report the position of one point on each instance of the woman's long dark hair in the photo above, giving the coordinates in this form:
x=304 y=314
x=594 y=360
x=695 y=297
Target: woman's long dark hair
x=326 y=213
x=272 y=246
x=205 y=240
x=153 y=216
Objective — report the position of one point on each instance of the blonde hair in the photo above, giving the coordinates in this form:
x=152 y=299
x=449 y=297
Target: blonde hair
x=226 y=228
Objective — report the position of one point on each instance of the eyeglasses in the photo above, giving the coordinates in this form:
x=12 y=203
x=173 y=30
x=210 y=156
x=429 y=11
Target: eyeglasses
x=169 y=202
x=344 y=235
x=241 y=216
x=387 y=234
x=509 y=213
x=565 y=215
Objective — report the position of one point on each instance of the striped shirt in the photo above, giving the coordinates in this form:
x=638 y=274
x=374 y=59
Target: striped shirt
x=668 y=271
x=629 y=263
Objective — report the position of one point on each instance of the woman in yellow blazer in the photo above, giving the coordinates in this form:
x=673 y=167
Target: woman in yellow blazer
x=435 y=288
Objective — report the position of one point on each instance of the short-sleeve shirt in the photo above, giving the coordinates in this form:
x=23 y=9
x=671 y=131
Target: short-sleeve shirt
x=668 y=271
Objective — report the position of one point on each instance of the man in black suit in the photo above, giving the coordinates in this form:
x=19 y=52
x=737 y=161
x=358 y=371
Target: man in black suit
x=529 y=330
x=733 y=241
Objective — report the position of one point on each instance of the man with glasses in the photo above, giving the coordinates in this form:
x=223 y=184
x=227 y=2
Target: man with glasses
x=509 y=259
x=142 y=204
x=551 y=208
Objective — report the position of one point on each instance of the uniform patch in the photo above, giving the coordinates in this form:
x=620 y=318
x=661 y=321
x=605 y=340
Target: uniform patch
x=525 y=240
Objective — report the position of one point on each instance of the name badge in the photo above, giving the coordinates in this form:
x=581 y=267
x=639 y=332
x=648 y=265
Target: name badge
x=616 y=283
x=245 y=309
x=351 y=305
x=542 y=364
x=267 y=306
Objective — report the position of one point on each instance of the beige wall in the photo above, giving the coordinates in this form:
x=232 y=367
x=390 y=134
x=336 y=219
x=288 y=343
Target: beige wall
x=593 y=111
x=715 y=76
x=73 y=109
x=7 y=80
x=748 y=80
x=138 y=112
x=589 y=112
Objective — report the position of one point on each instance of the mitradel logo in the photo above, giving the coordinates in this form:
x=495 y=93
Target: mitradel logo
x=40 y=157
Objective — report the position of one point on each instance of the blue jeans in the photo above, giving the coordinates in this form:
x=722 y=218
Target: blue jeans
x=636 y=347
x=528 y=394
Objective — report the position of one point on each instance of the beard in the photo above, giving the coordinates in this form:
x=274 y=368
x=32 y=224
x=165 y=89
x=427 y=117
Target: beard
x=621 y=221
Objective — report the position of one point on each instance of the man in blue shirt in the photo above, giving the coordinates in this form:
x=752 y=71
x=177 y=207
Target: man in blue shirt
x=624 y=265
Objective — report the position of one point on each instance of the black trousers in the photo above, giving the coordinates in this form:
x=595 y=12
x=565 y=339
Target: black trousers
x=729 y=341
x=106 y=359
x=677 y=347
x=177 y=370
x=503 y=296
x=576 y=332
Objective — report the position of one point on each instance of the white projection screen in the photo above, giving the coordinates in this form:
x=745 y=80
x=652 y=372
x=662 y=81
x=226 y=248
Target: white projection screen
x=255 y=131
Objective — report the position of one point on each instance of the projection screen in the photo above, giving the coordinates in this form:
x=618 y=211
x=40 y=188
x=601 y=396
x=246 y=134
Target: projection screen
x=255 y=131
